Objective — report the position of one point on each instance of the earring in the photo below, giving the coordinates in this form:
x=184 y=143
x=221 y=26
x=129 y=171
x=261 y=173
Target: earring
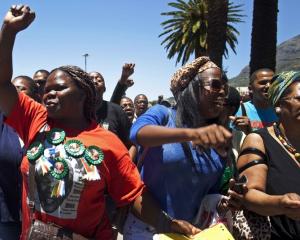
x=278 y=110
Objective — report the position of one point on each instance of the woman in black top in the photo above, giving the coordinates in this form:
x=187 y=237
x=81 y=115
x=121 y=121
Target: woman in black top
x=270 y=160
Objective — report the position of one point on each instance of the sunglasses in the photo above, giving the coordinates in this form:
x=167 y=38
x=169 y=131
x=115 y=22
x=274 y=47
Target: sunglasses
x=213 y=85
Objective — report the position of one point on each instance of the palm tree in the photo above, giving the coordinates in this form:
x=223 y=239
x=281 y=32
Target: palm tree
x=264 y=35
x=186 y=32
x=216 y=32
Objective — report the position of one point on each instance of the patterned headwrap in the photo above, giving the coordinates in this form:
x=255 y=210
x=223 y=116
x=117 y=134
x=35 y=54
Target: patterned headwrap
x=184 y=75
x=281 y=82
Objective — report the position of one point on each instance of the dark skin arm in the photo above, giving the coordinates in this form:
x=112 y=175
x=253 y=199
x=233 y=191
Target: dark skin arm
x=123 y=83
x=256 y=199
x=210 y=136
x=146 y=208
x=17 y=19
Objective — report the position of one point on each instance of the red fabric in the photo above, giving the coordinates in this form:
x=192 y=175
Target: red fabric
x=117 y=173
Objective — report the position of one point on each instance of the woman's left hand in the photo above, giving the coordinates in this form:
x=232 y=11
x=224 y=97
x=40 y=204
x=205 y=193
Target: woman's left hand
x=184 y=227
x=236 y=199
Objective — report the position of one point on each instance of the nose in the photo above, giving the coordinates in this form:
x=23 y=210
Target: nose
x=223 y=91
x=51 y=94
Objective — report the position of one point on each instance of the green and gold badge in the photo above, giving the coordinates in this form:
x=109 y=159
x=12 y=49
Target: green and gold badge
x=74 y=148
x=35 y=150
x=93 y=155
x=56 y=136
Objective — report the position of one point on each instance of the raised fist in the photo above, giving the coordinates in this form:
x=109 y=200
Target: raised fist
x=18 y=18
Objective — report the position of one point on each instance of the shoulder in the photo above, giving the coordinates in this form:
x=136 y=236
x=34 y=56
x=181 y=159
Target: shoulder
x=254 y=140
x=158 y=115
x=116 y=107
x=158 y=109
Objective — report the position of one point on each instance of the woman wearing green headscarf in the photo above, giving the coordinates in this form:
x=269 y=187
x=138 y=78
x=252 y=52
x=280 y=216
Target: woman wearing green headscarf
x=270 y=160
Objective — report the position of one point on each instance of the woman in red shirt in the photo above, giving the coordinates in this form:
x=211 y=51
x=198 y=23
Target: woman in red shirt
x=73 y=159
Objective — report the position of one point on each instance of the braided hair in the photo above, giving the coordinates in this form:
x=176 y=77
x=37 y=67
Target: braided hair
x=84 y=82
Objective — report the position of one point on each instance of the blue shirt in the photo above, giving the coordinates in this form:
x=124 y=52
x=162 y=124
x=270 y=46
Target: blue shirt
x=170 y=175
x=259 y=117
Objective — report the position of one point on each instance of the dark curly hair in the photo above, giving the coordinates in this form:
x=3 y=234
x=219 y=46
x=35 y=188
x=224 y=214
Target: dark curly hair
x=84 y=82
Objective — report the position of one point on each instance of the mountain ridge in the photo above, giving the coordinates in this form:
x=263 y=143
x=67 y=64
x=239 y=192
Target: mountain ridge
x=287 y=58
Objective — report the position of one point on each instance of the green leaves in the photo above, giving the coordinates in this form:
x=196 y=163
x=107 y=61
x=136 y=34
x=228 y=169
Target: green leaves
x=187 y=26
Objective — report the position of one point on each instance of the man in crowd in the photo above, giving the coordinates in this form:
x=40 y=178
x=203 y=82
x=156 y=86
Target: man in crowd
x=40 y=77
x=140 y=105
x=256 y=113
x=128 y=107
x=110 y=115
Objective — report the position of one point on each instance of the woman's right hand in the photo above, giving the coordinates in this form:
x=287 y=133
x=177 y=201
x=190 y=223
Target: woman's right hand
x=290 y=202
x=211 y=136
x=184 y=227
x=18 y=18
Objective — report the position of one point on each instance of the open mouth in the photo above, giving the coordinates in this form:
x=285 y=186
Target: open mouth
x=219 y=102
x=129 y=113
x=51 y=104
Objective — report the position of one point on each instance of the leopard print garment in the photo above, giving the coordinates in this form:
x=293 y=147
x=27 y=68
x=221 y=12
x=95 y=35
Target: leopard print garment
x=249 y=225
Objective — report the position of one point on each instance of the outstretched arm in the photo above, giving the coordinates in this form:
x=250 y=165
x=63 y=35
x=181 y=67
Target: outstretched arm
x=17 y=19
x=147 y=209
x=123 y=83
x=209 y=136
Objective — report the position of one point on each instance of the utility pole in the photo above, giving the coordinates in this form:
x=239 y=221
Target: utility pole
x=85 y=62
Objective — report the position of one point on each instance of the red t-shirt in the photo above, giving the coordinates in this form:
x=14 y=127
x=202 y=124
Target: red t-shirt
x=82 y=209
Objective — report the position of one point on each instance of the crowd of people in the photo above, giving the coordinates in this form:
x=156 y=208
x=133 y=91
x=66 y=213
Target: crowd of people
x=97 y=168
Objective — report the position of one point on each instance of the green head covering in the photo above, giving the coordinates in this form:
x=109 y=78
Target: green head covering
x=281 y=82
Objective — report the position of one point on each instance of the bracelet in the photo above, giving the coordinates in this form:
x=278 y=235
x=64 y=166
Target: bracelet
x=164 y=223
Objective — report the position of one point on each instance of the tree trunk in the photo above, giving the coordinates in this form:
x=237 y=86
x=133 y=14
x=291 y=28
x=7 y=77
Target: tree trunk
x=217 y=26
x=200 y=51
x=264 y=35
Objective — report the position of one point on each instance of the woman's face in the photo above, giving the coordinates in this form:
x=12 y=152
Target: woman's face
x=62 y=97
x=290 y=103
x=212 y=92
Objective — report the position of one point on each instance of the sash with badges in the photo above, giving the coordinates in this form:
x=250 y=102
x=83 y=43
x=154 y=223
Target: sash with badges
x=50 y=158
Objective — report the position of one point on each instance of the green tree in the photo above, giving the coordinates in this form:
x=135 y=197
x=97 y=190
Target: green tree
x=186 y=31
x=264 y=35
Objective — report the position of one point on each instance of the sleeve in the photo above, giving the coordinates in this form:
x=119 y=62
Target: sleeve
x=157 y=115
x=124 y=126
x=27 y=118
x=125 y=184
x=119 y=91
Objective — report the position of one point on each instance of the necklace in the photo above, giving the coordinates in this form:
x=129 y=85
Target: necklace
x=285 y=142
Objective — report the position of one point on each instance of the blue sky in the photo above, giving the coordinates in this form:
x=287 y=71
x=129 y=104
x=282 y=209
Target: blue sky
x=118 y=31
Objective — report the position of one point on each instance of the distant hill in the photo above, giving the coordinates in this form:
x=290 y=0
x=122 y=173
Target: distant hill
x=288 y=58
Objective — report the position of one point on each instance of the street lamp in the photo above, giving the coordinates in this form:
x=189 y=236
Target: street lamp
x=85 y=57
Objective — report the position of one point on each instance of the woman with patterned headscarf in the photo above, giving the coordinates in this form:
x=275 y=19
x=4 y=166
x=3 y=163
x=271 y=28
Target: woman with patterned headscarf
x=183 y=147
x=270 y=159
